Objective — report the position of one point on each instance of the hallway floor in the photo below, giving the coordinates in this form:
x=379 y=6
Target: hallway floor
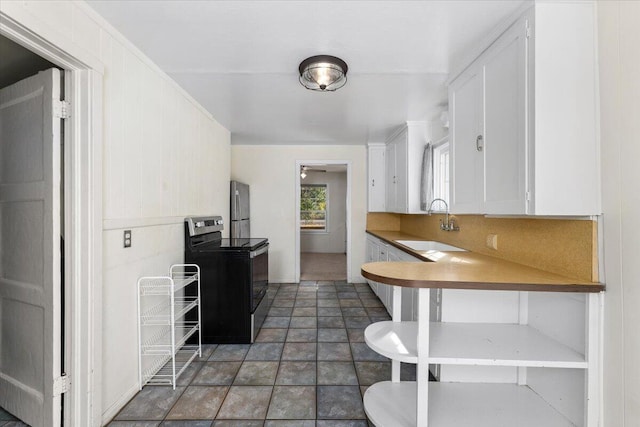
x=308 y=367
x=323 y=266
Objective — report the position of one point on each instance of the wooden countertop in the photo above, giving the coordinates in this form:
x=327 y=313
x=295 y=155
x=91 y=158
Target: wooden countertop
x=466 y=270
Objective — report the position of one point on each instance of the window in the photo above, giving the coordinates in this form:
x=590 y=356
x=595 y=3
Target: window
x=441 y=172
x=313 y=207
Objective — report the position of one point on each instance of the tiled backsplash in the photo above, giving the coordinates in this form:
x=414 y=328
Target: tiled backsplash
x=562 y=246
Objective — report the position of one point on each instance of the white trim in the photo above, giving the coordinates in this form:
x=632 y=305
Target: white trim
x=39 y=37
x=523 y=319
x=83 y=219
x=122 y=223
x=593 y=416
x=110 y=412
x=440 y=147
x=299 y=164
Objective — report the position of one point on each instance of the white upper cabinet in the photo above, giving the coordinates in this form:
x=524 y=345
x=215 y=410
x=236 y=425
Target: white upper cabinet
x=376 y=177
x=504 y=70
x=524 y=118
x=391 y=179
x=403 y=158
x=467 y=171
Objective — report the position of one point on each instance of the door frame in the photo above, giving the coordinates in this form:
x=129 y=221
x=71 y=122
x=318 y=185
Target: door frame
x=83 y=209
x=299 y=164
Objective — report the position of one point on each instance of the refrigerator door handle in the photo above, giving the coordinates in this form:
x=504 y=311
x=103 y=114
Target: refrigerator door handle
x=238 y=206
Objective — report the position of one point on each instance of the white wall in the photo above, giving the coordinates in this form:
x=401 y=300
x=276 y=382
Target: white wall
x=151 y=177
x=152 y=180
x=335 y=238
x=271 y=172
x=619 y=38
x=436 y=131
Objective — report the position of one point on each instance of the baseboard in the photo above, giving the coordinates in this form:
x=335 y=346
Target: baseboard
x=112 y=411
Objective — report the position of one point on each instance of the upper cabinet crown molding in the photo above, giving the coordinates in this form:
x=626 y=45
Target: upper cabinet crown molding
x=525 y=118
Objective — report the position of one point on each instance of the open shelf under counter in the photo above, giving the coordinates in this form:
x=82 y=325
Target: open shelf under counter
x=389 y=404
x=496 y=344
x=395 y=340
x=487 y=344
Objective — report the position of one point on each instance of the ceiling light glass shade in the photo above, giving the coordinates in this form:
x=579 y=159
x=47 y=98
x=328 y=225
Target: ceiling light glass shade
x=323 y=73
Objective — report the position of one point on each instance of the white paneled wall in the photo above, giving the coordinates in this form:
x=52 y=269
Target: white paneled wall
x=162 y=154
x=618 y=38
x=164 y=158
x=271 y=171
x=153 y=250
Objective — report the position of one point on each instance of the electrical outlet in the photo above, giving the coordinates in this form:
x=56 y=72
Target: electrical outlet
x=492 y=241
x=127 y=238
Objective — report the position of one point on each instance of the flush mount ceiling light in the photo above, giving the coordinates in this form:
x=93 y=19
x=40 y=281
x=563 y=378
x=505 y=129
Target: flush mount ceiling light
x=323 y=73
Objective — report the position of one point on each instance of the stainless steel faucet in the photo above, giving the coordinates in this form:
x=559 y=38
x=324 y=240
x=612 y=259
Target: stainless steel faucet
x=447 y=224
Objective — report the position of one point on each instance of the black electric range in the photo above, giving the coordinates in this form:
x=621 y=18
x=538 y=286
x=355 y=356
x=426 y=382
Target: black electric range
x=234 y=281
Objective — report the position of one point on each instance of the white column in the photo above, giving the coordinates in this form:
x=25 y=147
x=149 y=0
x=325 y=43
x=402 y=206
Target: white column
x=397 y=317
x=422 y=374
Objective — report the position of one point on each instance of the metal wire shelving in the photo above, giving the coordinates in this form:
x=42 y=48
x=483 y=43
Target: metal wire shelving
x=169 y=314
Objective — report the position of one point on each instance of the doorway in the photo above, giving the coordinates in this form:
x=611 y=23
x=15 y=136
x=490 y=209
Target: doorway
x=80 y=219
x=31 y=236
x=323 y=239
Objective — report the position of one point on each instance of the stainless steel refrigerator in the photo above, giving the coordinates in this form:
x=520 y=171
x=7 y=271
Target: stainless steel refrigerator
x=239 y=210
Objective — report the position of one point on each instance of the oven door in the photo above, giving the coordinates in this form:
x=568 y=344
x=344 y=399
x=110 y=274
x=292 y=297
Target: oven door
x=259 y=274
x=260 y=282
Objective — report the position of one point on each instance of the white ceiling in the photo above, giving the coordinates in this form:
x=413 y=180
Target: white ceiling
x=240 y=60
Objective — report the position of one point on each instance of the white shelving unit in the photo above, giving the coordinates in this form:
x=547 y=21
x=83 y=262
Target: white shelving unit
x=461 y=404
x=168 y=315
x=522 y=403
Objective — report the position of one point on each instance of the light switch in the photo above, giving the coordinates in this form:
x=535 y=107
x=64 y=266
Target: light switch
x=127 y=238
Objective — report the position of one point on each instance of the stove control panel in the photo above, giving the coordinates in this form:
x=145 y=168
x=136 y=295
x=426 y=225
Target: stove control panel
x=204 y=224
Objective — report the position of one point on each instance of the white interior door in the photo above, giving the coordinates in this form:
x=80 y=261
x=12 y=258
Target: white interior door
x=30 y=282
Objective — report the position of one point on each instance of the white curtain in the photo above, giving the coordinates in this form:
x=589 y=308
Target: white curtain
x=426 y=179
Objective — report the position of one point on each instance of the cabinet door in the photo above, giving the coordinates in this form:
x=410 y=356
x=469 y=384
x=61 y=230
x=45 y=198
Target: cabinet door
x=392 y=256
x=372 y=255
x=370 y=250
x=401 y=167
x=505 y=169
x=467 y=175
x=381 y=289
x=390 y=181
x=377 y=177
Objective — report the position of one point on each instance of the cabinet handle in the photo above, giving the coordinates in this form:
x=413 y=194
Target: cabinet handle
x=479 y=144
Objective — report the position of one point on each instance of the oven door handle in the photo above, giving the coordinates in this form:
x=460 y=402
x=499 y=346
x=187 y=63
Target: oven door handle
x=259 y=251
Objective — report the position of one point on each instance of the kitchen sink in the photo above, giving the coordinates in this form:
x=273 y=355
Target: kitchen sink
x=428 y=245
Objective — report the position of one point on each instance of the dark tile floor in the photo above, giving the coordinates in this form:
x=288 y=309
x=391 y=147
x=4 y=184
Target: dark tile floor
x=308 y=367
